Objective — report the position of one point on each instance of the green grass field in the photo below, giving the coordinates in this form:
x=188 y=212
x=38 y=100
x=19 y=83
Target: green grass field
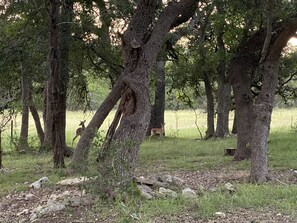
x=180 y=151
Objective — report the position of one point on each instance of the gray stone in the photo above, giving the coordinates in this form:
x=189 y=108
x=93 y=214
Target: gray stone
x=47 y=209
x=39 y=183
x=146 y=195
x=189 y=193
x=220 y=214
x=80 y=201
x=178 y=181
x=167 y=192
x=29 y=196
x=144 y=188
x=229 y=187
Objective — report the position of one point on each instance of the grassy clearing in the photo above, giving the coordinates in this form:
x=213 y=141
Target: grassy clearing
x=180 y=150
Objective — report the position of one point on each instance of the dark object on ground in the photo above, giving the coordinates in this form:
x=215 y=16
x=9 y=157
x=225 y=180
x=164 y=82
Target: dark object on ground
x=229 y=152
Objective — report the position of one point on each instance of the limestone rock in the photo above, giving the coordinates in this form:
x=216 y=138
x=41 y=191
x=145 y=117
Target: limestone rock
x=189 y=193
x=39 y=183
x=220 y=214
x=73 y=181
x=167 y=192
x=229 y=187
x=47 y=209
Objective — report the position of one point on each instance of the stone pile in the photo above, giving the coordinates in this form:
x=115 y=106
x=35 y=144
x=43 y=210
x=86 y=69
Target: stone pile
x=162 y=186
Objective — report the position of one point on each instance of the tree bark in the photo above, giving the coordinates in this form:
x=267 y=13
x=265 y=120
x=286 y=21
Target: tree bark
x=210 y=107
x=82 y=149
x=142 y=42
x=224 y=93
x=241 y=66
x=138 y=49
x=48 y=119
x=59 y=74
x=38 y=126
x=23 y=143
x=206 y=78
x=264 y=103
x=244 y=108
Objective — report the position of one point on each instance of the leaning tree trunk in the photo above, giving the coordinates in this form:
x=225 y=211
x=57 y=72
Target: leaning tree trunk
x=38 y=126
x=23 y=143
x=264 y=103
x=157 y=115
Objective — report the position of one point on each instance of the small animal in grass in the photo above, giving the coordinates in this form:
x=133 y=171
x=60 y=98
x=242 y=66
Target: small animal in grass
x=80 y=130
x=158 y=131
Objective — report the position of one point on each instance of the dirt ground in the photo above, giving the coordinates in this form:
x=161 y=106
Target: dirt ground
x=18 y=206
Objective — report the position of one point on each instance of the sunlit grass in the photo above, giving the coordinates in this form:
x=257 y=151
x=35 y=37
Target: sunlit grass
x=276 y=197
x=181 y=149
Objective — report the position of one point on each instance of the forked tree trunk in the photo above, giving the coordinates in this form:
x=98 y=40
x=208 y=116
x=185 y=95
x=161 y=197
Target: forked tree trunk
x=122 y=144
x=264 y=103
x=120 y=149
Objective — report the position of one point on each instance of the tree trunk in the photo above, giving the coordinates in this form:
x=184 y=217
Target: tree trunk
x=224 y=99
x=264 y=103
x=23 y=143
x=241 y=66
x=82 y=149
x=122 y=144
x=139 y=52
x=38 y=126
x=224 y=87
x=55 y=91
x=157 y=116
x=59 y=74
x=48 y=119
x=210 y=107
x=244 y=109
x=262 y=112
x=127 y=131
